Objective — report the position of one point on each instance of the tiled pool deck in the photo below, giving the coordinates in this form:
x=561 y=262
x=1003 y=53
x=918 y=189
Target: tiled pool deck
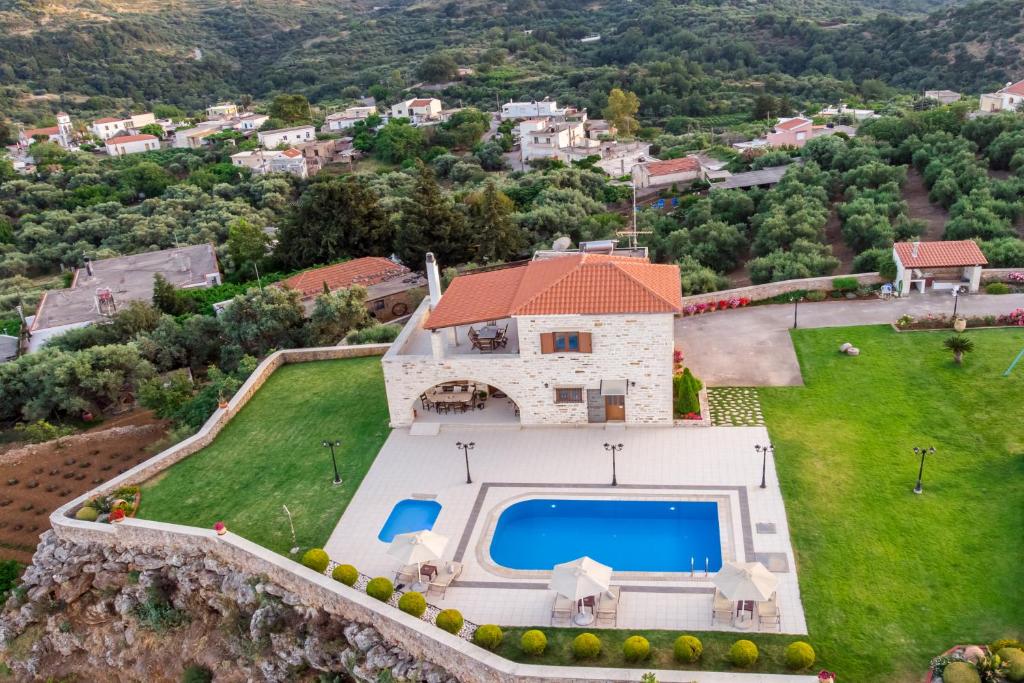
x=717 y=463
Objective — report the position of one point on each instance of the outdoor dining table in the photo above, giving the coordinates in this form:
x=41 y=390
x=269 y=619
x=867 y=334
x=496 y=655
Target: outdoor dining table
x=582 y=618
x=489 y=332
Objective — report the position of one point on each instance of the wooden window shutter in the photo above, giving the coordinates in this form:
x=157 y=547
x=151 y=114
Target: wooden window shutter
x=547 y=342
x=585 y=343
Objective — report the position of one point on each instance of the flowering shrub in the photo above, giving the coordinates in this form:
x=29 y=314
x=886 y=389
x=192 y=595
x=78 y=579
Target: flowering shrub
x=1016 y=277
x=691 y=416
x=1015 y=317
x=720 y=305
x=690 y=309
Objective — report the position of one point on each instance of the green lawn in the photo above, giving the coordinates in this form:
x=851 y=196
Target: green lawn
x=270 y=455
x=888 y=578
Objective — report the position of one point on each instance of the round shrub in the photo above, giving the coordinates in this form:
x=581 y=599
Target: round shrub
x=1005 y=642
x=346 y=574
x=488 y=637
x=586 y=646
x=380 y=588
x=960 y=672
x=316 y=559
x=687 y=649
x=87 y=514
x=799 y=655
x=997 y=288
x=743 y=654
x=533 y=642
x=413 y=603
x=636 y=649
x=1014 y=659
x=450 y=620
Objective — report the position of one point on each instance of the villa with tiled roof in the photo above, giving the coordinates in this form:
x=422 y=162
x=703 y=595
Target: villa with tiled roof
x=1008 y=98
x=570 y=338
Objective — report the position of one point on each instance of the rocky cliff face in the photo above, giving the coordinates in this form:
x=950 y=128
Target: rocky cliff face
x=106 y=613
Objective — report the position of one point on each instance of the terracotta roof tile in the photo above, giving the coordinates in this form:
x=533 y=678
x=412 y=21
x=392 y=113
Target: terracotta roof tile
x=793 y=123
x=669 y=166
x=419 y=103
x=291 y=153
x=1014 y=88
x=108 y=119
x=123 y=139
x=940 y=254
x=366 y=271
x=587 y=284
x=51 y=130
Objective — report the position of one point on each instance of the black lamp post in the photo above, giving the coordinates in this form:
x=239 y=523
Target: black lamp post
x=922 y=452
x=334 y=461
x=763 y=450
x=796 y=304
x=956 y=299
x=614 y=448
x=466 y=448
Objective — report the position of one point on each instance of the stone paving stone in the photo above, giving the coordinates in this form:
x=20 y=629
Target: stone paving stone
x=735 y=406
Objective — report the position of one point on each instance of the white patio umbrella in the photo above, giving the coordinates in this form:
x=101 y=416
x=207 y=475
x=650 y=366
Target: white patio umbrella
x=417 y=547
x=746 y=581
x=580 y=578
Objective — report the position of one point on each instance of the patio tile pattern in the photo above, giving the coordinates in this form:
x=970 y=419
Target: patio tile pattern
x=734 y=406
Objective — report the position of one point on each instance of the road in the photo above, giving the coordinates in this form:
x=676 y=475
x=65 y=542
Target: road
x=751 y=347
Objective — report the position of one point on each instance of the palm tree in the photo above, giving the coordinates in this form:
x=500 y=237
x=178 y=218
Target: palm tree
x=959 y=345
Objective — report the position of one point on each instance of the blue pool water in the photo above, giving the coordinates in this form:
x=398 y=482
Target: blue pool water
x=627 y=535
x=409 y=515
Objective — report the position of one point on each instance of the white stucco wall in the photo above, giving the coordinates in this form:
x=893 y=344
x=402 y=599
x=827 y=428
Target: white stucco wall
x=637 y=348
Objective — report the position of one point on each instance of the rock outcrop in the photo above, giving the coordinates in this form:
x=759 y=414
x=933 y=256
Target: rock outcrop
x=107 y=613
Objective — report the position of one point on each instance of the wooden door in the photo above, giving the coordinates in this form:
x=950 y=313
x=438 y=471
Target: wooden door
x=615 y=408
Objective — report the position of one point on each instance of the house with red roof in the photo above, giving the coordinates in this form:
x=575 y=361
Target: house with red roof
x=954 y=264
x=567 y=338
x=392 y=290
x=671 y=171
x=112 y=126
x=418 y=110
x=797 y=130
x=61 y=134
x=121 y=145
x=1008 y=98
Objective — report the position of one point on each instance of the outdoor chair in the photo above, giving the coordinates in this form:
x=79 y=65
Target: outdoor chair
x=444 y=578
x=502 y=339
x=406 y=575
x=485 y=345
x=768 y=612
x=722 y=608
x=424 y=402
x=608 y=607
x=561 y=611
x=474 y=338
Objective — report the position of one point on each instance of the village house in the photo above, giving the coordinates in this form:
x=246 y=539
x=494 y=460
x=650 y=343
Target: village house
x=1009 y=98
x=263 y=161
x=132 y=144
x=418 y=110
x=272 y=139
x=248 y=122
x=319 y=153
x=796 y=131
x=103 y=287
x=111 y=126
x=530 y=110
x=61 y=134
x=844 y=111
x=551 y=139
x=569 y=338
x=938 y=266
x=223 y=110
x=392 y=291
x=671 y=171
x=598 y=128
x=194 y=138
x=343 y=120
x=943 y=96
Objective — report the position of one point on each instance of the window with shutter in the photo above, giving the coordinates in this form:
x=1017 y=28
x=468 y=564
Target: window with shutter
x=569 y=395
x=547 y=342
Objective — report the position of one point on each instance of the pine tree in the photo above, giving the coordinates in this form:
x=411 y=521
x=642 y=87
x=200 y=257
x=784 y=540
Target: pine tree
x=497 y=237
x=430 y=221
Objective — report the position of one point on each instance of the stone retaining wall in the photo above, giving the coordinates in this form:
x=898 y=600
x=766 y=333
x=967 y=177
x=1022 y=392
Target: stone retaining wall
x=997 y=274
x=770 y=289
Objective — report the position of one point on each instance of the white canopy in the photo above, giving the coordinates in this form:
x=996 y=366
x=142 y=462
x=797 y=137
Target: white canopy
x=417 y=547
x=746 y=581
x=580 y=578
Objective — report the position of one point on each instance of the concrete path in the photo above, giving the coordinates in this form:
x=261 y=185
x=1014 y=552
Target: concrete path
x=751 y=347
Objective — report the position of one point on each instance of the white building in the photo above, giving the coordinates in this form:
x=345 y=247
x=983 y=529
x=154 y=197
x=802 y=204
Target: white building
x=261 y=161
x=943 y=96
x=938 y=265
x=194 y=138
x=550 y=139
x=843 y=110
x=223 y=110
x=249 y=122
x=61 y=134
x=588 y=339
x=290 y=161
x=1009 y=98
x=418 y=110
x=343 y=120
x=271 y=139
x=110 y=126
x=661 y=173
x=528 y=110
x=132 y=144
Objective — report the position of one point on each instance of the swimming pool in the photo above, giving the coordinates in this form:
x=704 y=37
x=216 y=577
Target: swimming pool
x=627 y=535
x=409 y=515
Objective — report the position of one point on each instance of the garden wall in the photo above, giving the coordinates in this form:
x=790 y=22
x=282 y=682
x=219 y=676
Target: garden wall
x=997 y=274
x=770 y=289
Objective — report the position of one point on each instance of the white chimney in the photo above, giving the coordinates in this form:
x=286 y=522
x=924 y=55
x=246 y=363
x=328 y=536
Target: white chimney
x=913 y=249
x=433 y=280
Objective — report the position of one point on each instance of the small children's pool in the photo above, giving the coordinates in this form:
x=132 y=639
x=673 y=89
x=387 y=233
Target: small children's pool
x=409 y=515
x=627 y=535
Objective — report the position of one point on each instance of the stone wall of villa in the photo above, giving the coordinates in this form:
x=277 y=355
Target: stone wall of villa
x=636 y=348
x=770 y=289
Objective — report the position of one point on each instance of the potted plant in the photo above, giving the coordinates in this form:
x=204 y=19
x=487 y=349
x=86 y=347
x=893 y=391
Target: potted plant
x=222 y=402
x=117 y=515
x=220 y=528
x=826 y=676
x=960 y=323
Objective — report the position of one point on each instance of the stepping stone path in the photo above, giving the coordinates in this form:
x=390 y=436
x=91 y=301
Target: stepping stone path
x=734 y=407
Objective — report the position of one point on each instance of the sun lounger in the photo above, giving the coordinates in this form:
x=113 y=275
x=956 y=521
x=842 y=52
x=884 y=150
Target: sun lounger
x=721 y=609
x=768 y=613
x=608 y=607
x=444 y=578
x=561 y=611
x=406 y=575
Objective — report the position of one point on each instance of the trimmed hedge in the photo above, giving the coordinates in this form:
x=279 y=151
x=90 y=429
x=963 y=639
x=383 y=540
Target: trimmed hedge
x=799 y=655
x=346 y=574
x=450 y=620
x=1014 y=659
x=845 y=284
x=686 y=393
x=533 y=642
x=586 y=646
x=316 y=559
x=687 y=649
x=960 y=672
x=488 y=636
x=636 y=649
x=413 y=603
x=380 y=588
x=997 y=288
x=743 y=654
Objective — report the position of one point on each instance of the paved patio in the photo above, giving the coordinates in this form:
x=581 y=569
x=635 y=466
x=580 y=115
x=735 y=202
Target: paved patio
x=507 y=464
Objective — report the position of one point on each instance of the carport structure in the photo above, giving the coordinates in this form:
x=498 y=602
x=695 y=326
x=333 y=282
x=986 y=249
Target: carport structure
x=937 y=265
